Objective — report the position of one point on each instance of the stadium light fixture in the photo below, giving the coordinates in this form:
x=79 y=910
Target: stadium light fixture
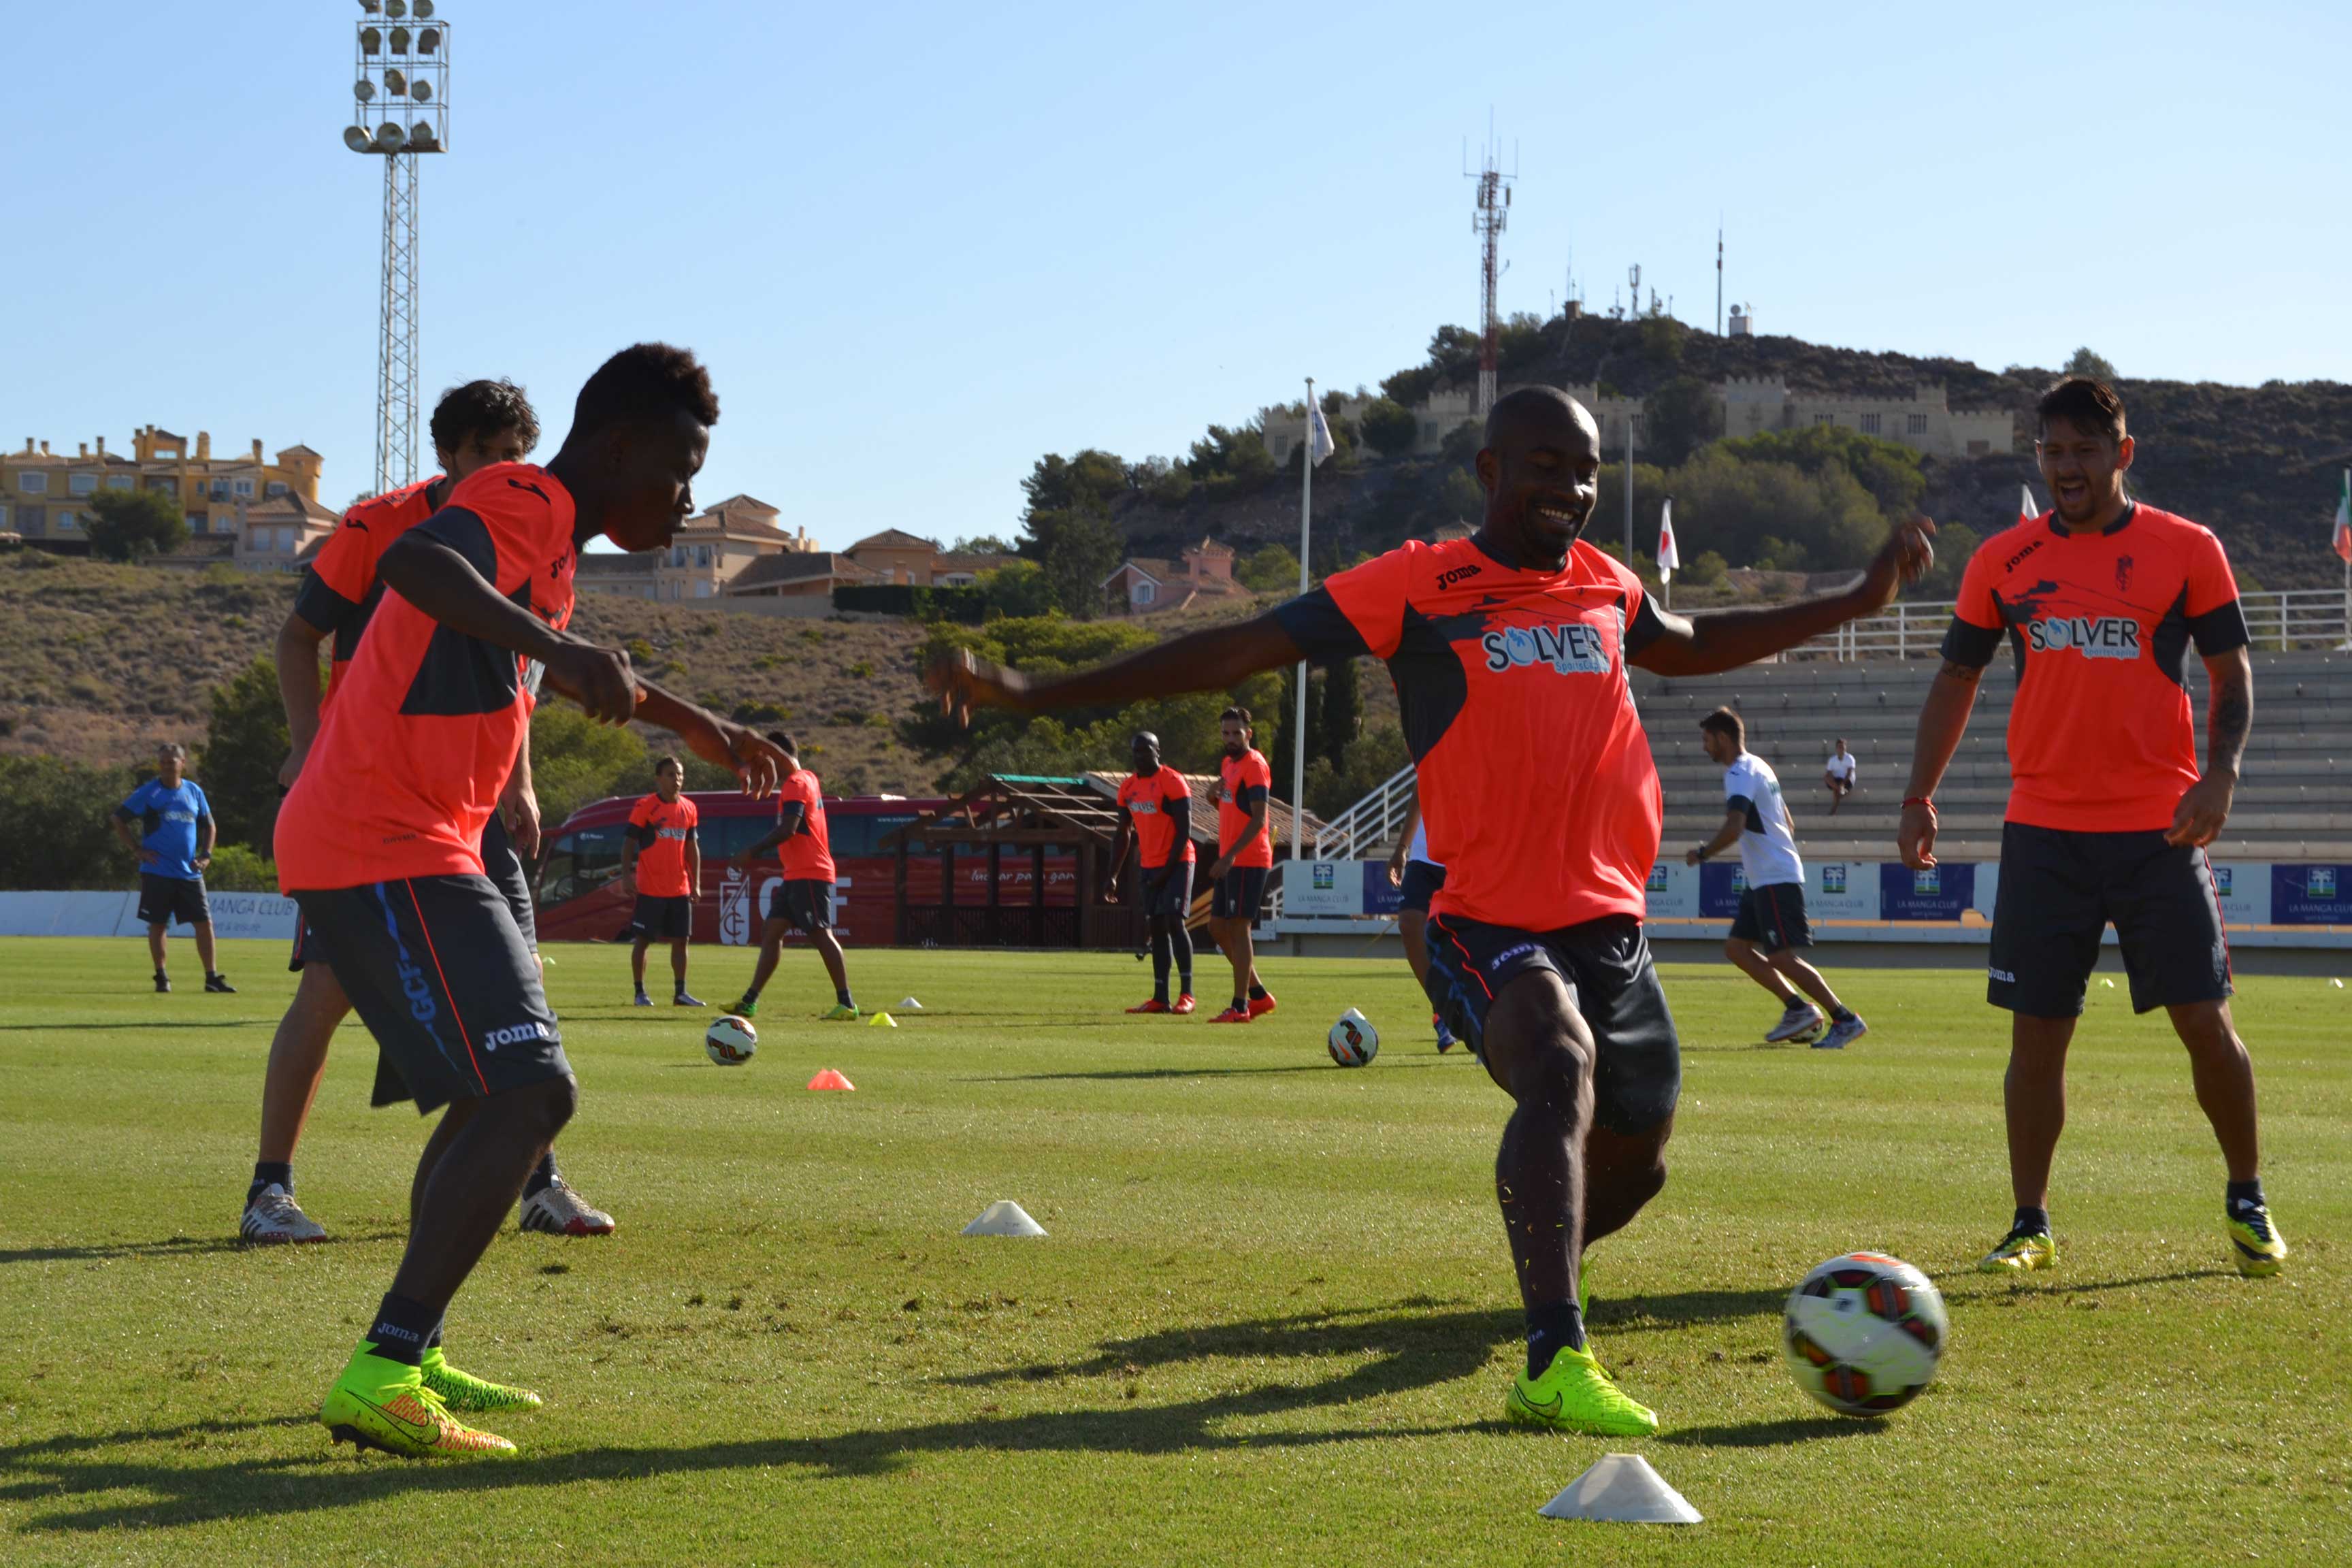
x=365 y=90
x=395 y=9
x=371 y=40
x=390 y=137
x=427 y=40
x=424 y=10
x=421 y=90
x=355 y=139
x=400 y=40
x=394 y=82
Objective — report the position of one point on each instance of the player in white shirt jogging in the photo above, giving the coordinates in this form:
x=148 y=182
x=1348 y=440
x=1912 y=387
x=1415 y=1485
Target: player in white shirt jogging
x=1838 y=773
x=1770 y=926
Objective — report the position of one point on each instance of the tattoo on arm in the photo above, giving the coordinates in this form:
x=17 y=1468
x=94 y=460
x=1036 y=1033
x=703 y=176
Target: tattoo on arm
x=2230 y=719
x=1967 y=672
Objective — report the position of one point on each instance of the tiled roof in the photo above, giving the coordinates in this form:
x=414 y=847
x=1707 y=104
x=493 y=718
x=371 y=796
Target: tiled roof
x=618 y=563
x=799 y=566
x=893 y=538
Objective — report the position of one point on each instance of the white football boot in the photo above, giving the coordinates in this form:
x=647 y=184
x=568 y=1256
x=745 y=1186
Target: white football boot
x=1800 y=1021
x=558 y=1211
x=273 y=1218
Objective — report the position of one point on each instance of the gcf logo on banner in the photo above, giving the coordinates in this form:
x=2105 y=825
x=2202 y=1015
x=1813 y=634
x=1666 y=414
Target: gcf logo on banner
x=739 y=914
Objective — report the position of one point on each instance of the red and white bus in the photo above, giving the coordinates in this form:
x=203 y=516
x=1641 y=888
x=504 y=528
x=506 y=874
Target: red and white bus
x=580 y=897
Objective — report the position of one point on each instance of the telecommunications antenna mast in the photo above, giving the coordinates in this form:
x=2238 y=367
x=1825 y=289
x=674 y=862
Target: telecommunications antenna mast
x=1493 y=214
x=400 y=112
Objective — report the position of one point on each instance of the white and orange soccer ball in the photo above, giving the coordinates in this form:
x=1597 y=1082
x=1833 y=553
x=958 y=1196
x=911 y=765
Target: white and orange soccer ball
x=1865 y=1333
x=1353 y=1040
x=730 y=1041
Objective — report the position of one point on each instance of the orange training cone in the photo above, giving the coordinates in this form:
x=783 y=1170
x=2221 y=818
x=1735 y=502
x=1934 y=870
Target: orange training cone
x=829 y=1078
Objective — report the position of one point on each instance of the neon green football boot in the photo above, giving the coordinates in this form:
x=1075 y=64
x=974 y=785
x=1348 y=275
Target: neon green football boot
x=379 y=1404
x=464 y=1391
x=1574 y=1395
x=745 y=1006
x=2021 y=1252
x=2255 y=1241
x=842 y=1013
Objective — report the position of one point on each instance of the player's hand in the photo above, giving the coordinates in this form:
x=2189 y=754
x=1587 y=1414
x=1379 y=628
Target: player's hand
x=519 y=809
x=1396 y=868
x=757 y=761
x=1218 y=868
x=1110 y=891
x=202 y=862
x=1692 y=856
x=1915 y=837
x=292 y=768
x=149 y=857
x=1906 y=557
x=964 y=681
x=598 y=678
x=2202 y=810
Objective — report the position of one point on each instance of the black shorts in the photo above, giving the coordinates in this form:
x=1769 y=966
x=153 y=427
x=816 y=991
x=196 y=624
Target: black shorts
x=1421 y=883
x=1638 y=1061
x=1165 y=889
x=2058 y=891
x=805 y=906
x=168 y=900
x=657 y=919
x=499 y=863
x=1239 y=893
x=1773 y=917
x=439 y=972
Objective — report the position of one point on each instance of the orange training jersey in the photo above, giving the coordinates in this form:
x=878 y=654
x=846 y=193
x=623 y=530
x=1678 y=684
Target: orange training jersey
x=1536 y=781
x=1162 y=806
x=2101 y=738
x=339 y=590
x=1248 y=781
x=411 y=758
x=807 y=854
x=663 y=828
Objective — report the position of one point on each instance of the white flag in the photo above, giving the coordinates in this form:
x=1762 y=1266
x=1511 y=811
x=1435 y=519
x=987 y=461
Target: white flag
x=1668 y=557
x=2026 y=509
x=1319 y=437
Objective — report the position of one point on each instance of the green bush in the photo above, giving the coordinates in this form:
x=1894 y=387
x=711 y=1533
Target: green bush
x=236 y=869
x=127 y=525
x=61 y=833
x=1272 y=570
x=1390 y=427
x=243 y=748
x=574 y=760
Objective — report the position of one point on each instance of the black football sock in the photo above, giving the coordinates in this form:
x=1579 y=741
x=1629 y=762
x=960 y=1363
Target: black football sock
x=1162 y=954
x=542 y=1176
x=1179 y=942
x=843 y=994
x=401 y=1329
x=2245 y=1194
x=434 y=1342
x=1551 y=1328
x=2029 y=1222
x=1840 y=1014
x=1256 y=991
x=268 y=1171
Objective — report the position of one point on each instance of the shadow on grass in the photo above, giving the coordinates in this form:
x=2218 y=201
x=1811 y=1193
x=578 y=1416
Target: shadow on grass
x=1116 y=1075
x=1654 y=1314
x=81 y=1027
x=1773 y=1434
x=179 y=1247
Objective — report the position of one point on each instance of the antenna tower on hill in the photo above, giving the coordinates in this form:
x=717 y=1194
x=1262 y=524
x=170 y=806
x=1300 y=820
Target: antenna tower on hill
x=1493 y=214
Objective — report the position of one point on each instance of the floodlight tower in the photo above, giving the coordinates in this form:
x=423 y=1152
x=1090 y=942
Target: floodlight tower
x=1492 y=216
x=400 y=112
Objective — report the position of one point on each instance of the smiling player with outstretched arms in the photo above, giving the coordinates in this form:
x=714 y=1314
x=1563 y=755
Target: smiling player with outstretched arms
x=1510 y=652
x=2100 y=601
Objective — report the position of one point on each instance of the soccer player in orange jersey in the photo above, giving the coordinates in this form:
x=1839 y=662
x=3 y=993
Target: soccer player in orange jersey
x=803 y=901
x=2100 y=601
x=1509 y=650
x=474 y=425
x=1243 y=793
x=379 y=841
x=1155 y=809
x=661 y=859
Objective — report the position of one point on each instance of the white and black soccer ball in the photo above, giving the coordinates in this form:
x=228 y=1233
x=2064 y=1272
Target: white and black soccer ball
x=1865 y=1333
x=1353 y=1040
x=730 y=1041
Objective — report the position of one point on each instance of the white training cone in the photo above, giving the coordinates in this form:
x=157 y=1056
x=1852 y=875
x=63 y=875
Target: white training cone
x=1621 y=1488
x=2106 y=982
x=908 y=1005
x=1004 y=1217
x=2338 y=983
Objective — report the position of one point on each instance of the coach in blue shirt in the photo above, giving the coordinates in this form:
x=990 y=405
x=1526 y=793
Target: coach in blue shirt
x=173 y=840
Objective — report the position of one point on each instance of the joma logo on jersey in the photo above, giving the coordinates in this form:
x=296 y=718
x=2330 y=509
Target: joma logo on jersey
x=1569 y=649
x=2093 y=636
x=1453 y=574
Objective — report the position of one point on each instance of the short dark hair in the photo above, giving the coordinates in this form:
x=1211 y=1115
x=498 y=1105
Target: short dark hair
x=666 y=761
x=1236 y=712
x=2084 y=403
x=1724 y=721
x=646 y=381
x=1144 y=738
x=485 y=410
x=783 y=741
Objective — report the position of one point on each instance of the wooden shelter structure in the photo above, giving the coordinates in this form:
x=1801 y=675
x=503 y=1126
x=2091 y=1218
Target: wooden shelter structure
x=1021 y=861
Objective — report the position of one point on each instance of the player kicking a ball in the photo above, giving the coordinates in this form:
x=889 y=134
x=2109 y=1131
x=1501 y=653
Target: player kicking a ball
x=1770 y=925
x=474 y=425
x=378 y=842
x=1155 y=808
x=2100 y=601
x=662 y=860
x=1509 y=650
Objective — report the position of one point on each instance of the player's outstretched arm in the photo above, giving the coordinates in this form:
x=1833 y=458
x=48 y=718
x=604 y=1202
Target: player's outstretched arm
x=1943 y=720
x=1207 y=660
x=2229 y=719
x=744 y=751
x=445 y=585
x=788 y=822
x=1724 y=639
x=299 y=690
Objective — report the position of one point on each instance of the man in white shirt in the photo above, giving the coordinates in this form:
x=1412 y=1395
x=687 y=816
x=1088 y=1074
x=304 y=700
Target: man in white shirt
x=1770 y=926
x=1838 y=775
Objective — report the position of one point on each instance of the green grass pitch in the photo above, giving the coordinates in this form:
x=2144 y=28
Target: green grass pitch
x=1274 y=1321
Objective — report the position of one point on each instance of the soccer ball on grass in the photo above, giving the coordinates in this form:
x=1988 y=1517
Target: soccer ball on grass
x=1865 y=1333
x=730 y=1041
x=1353 y=1040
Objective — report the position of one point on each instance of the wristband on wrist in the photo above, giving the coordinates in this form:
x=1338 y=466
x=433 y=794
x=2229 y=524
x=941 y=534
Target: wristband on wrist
x=1919 y=800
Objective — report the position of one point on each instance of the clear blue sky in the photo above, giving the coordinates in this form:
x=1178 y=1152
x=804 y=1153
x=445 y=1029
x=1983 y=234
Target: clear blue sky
x=920 y=245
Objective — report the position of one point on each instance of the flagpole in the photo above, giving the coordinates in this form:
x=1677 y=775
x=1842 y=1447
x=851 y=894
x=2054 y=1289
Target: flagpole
x=1299 y=720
